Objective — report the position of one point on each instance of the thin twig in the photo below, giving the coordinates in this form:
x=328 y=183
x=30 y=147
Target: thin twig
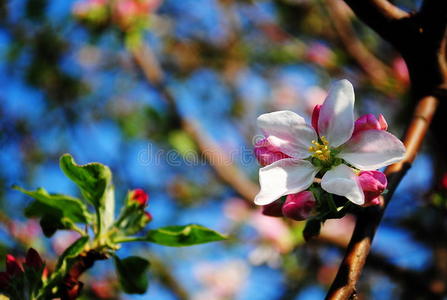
x=216 y=157
x=370 y=64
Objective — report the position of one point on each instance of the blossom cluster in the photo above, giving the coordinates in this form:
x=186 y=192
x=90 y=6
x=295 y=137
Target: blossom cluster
x=22 y=277
x=134 y=217
x=342 y=152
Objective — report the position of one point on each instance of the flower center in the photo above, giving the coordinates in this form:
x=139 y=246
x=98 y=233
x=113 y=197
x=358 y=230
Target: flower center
x=321 y=150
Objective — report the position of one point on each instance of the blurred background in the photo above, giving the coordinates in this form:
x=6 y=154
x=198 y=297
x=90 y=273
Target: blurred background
x=167 y=94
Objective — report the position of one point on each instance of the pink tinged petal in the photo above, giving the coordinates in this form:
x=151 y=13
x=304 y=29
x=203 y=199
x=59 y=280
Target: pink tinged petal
x=284 y=177
x=273 y=209
x=336 y=120
x=373 y=184
x=369 y=121
x=266 y=153
x=299 y=206
x=288 y=132
x=342 y=181
x=372 y=149
x=383 y=123
x=316 y=116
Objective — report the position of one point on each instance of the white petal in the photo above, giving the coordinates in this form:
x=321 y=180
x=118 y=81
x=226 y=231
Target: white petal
x=342 y=181
x=336 y=120
x=372 y=149
x=288 y=131
x=283 y=177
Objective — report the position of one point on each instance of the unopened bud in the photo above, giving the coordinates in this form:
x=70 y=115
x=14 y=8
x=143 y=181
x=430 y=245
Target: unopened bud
x=13 y=267
x=273 y=209
x=299 y=206
x=373 y=184
x=139 y=196
x=369 y=121
x=33 y=259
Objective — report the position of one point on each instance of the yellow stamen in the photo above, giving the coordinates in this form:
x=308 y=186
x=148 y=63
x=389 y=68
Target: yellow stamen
x=320 y=151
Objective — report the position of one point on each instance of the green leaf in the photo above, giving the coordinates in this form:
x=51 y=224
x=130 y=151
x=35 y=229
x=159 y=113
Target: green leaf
x=71 y=207
x=95 y=183
x=92 y=178
x=74 y=250
x=187 y=235
x=132 y=273
x=56 y=211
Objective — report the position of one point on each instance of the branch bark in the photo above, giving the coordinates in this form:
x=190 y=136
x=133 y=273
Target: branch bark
x=420 y=38
x=370 y=64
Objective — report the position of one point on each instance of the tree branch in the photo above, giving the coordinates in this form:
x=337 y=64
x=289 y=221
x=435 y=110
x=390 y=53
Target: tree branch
x=215 y=156
x=422 y=45
x=370 y=64
x=369 y=219
x=71 y=286
x=380 y=15
x=419 y=282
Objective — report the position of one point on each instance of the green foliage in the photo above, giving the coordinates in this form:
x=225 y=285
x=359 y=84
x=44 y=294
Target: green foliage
x=93 y=178
x=55 y=211
x=63 y=212
x=133 y=274
x=74 y=250
x=187 y=235
x=95 y=183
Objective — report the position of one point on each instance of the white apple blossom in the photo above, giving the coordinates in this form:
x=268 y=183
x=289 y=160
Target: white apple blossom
x=330 y=146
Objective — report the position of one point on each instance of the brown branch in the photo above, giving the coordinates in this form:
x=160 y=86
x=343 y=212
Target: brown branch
x=370 y=64
x=215 y=156
x=344 y=285
x=71 y=286
x=419 y=282
x=380 y=15
x=422 y=45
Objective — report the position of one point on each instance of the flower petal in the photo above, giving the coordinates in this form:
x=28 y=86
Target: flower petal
x=266 y=153
x=288 y=132
x=342 y=181
x=372 y=149
x=283 y=177
x=336 y=119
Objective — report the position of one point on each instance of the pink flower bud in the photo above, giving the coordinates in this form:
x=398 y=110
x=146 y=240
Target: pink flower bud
x=266 y=153
x=45 y=273
x=369 y=121
x=148 y=216
x=140 y=197
x=373 y=184
x=299 y=206
x=273 y=209
x=316 y=116
x=13 y=267
x=33 y=259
